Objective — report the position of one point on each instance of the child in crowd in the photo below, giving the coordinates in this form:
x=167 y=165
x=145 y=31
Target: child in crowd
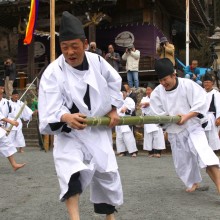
x=153 y=135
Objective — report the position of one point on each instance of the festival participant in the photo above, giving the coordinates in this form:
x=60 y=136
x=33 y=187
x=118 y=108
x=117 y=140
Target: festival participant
x=190 y=149
x=76 y=85
x=213 y=101
x=125 y=140
x=153 y=134
x=16 y=136
x=7 y=149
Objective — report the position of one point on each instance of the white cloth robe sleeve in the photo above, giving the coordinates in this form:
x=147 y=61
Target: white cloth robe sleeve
x=217 y=103
x=50 y=104
x=187 y=97
x=130 y=105
x=26 y=114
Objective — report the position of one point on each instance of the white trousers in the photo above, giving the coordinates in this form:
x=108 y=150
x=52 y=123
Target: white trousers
x=16 y=137
x=154 y=140
x=191 y=152
x=73 y=157
x=125 y=141
x=6 y=147
x=211 y=132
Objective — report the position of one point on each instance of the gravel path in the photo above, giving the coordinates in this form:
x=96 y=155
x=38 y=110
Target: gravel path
x=152 y=191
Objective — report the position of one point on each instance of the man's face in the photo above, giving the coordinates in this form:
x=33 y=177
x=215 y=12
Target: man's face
x=2 y=89
x=127 y=88
x=15 y=97
x=194 y=64
x=93 y=46
x=168 y=82
x=110 y=49
x=73 y=51
x=148 y=91
x=207 y=85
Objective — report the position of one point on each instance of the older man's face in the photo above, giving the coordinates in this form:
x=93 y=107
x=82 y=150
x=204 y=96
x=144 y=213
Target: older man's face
x=73 y=51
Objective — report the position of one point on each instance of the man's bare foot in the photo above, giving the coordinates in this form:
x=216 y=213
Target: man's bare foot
x=110 y=217
x=134 y=155
x=18 y=166
x=157 y=155
x=193 y=188
x=150 y=155
x=20 y=150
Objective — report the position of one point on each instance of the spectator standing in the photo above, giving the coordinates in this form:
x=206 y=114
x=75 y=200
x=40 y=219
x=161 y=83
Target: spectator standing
x=213 y=100
x=93 y=48
x=132 y=58
x=76 y=85
x=166 y=50
x=10 y=76
x=190 y=149
x=113 y=58
x=154 y=141
x=192 y=72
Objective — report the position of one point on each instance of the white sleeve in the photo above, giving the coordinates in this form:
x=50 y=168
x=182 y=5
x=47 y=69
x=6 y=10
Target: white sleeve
x=129 y=104
x=51 y=103
x=26 y=114
x=135 y=54
x=196 y=97
x=156 y=106
x=217 y=103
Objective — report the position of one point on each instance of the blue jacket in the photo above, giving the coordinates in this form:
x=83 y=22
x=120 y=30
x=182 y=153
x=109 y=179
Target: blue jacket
x=190 y=71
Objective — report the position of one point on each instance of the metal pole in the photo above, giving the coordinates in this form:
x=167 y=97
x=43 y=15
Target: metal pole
x=187 y=32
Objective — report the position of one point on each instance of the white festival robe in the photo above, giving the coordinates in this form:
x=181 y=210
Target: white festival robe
x=189 y=144
x=62 y=85
x=16 y=135
x=211 y=129
x=153 y=134
x=6 y=147
x=125 y=140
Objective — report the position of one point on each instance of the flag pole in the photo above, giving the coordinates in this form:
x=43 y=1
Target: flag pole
x=187 y=32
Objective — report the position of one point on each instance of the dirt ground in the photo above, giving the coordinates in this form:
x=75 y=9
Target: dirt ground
x=151 y=188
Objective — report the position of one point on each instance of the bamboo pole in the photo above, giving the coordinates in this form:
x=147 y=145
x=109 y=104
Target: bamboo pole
x=133 y=120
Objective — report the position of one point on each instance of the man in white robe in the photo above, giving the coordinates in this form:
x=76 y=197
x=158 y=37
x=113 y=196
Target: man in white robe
x=154 y=141
x=7 y=149
x=125 y=140
x=16 y=135
x=213 y=101
x=190 y=149
x=76 y=85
